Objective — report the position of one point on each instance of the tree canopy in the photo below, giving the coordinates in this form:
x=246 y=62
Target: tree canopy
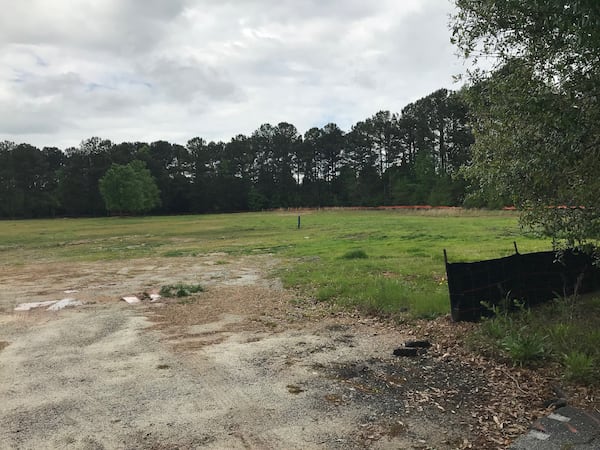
x=129 y=188
x=536 y=112
x=406 y=158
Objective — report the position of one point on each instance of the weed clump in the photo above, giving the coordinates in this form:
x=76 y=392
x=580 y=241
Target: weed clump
x=180 y=290
x=355 y=254
x=524 y=348
x=579 y=367
x=564 y=332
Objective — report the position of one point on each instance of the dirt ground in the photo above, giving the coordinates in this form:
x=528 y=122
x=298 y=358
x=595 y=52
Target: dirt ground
x=244 y=364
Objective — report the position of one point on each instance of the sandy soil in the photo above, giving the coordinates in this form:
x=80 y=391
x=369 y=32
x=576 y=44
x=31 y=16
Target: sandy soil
x=244 y=364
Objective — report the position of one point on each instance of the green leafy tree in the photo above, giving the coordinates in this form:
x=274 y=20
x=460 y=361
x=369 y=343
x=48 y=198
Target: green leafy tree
x=169 y=164
x=78 y=187
x=129 y=189
x=28 y=180
x=536 y=112
x=433 y=141
x=311 y=164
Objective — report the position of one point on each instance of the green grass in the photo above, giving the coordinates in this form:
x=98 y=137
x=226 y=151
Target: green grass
x=524 y=347
x=581 y=366
x=383 y=262
x=355 y=254
x=564 y=331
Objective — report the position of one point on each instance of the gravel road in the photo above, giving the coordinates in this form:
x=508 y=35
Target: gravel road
x=242 y=365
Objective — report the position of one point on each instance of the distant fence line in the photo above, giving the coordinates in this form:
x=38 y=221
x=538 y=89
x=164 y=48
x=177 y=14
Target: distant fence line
x=369 y=208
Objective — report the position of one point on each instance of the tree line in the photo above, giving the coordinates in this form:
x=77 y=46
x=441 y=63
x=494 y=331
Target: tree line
x=388 y=159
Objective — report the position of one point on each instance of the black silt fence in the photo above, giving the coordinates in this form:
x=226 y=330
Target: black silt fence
x=531 y=278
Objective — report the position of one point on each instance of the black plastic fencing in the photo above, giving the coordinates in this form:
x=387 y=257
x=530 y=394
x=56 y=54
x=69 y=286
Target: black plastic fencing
x=530 y=278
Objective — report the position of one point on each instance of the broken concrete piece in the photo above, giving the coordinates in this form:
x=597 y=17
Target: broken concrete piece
x=64 y=303
x=154 y=297
x=413 y=348
x=50 y=305
x=131 y=299
x=403 y=351
x=417 y=344
x=564 y=428
x=33 y=305
x=555 y=403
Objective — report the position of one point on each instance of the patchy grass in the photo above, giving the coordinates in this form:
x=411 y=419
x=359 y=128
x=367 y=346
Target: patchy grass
x=564 y=331
x=403 y=272
x=382 y=262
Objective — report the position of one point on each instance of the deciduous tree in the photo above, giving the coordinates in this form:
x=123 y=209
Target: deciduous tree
x=129 y=188
x=537 y=111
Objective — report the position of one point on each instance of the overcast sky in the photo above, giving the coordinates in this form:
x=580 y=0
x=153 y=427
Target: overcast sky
x=143 y=70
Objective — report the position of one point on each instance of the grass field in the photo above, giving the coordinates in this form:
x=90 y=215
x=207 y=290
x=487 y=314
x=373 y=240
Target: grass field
x=380 y=261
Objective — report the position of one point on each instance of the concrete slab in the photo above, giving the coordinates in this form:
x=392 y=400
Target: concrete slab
x=565 y=429
x=64 y=303
x=34 y=305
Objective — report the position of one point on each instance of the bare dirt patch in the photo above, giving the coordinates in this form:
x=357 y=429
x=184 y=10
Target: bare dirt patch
x=244 y=364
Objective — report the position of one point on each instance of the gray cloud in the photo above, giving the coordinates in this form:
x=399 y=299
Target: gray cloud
x=114 y=26
x=189 y=80
x=150 y=69
x=29 y=119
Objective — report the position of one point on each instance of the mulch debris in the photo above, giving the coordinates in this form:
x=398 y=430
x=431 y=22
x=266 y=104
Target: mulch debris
x=487 y=402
